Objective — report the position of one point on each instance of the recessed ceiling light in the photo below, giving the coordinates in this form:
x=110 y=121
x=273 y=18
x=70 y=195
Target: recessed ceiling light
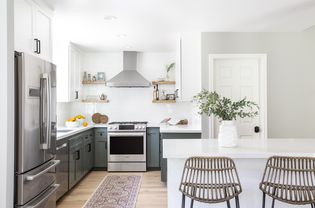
x=109 y=17
x=121 y=35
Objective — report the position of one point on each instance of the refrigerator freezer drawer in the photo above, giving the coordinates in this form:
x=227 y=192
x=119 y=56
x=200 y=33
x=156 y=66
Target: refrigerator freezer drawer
x=44 y=200
x=34 y=182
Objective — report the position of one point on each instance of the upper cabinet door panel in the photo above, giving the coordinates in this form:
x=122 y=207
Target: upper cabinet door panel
x=32 y=22
x=23 y=26
x=42 y=31
x=189 y=65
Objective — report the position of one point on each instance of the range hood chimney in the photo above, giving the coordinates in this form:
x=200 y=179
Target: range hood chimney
x=129 y=77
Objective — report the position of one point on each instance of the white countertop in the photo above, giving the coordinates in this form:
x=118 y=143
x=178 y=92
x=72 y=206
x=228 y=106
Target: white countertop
x=190 y=128
x=163 y=129
x=76 y=130
x=247 y=148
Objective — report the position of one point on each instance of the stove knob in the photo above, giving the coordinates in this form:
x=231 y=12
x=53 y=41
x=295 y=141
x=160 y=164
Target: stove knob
x=137 y=127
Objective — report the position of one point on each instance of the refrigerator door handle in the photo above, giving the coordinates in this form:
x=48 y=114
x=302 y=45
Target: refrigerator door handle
x=32 y=177
x=53 y=189
x=45 y=112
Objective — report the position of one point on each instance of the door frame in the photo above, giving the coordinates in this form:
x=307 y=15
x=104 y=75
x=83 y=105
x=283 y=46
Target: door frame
x=262 y=86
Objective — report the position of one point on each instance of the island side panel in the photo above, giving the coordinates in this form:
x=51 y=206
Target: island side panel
x=250 y=173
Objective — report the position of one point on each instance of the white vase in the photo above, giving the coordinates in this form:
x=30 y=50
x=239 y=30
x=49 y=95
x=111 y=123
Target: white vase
x=227 y=134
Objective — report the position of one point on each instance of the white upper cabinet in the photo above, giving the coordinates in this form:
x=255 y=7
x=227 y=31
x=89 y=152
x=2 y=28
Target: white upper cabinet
x=67 y=57
x=32 y=25
x=74 y=73
x=188 y=65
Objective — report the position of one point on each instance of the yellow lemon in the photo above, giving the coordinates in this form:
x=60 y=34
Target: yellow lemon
x=85 y=124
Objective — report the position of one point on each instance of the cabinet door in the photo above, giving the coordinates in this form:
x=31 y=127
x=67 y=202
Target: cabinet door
x=79 y=163
x=42 y=31
x=153 y=150
x=188 y=70
x=23 y=26
x=88 y=156
x=74 y=73
x=72 y=172
x=100 y=159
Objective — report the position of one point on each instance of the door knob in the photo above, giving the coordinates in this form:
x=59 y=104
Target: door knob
x=257 y=129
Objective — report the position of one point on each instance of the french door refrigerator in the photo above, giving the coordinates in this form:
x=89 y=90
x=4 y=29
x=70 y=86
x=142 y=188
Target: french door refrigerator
x=35 y=132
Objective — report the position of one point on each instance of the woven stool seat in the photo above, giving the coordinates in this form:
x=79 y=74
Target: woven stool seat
x=210 y=180
x=290 y=180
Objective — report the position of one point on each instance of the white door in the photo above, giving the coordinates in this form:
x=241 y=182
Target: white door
x=237 y=77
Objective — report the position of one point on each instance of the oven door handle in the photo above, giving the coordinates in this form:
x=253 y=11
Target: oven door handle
x=126 y=134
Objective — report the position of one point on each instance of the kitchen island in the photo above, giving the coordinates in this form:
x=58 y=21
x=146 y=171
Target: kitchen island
x=250 y=157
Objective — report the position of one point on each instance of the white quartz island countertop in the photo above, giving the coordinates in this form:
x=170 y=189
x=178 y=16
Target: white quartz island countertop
x=250 y=157
x=247 y=148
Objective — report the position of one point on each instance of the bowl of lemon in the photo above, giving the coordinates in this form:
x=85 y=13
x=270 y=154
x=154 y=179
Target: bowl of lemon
x=75 y=121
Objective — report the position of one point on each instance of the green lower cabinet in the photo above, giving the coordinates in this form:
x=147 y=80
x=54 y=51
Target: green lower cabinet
x=172 y=136
x=72 y=158
x=100 y=153
x=88 y=155
x=76 y=163
x=100 y=160
x=153 y=148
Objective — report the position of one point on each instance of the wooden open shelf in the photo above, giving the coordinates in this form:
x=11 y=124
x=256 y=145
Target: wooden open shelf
x=95 y=101
x=163 y=82
x=93 y=82
x=163 y=101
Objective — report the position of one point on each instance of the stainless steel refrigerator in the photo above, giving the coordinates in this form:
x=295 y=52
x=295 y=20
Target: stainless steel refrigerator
x=35 y=129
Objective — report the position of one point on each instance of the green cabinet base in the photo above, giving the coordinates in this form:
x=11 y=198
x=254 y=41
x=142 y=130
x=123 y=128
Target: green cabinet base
x=172 y=136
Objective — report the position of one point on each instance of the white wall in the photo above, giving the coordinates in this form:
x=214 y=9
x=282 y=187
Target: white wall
x=290 y=76
x=6 y=107
x=128 y=103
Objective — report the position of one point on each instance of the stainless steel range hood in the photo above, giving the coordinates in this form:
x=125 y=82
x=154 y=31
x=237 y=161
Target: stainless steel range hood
x=129 y=77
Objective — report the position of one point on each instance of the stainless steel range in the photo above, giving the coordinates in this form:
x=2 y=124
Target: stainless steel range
x=127 y=146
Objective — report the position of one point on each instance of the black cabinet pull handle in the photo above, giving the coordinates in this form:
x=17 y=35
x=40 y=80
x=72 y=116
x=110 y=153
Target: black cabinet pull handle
x=90 y=147
x=257 y=129
x=78 y=155
x=76 y=95
x=39 y=47
x=36 y=45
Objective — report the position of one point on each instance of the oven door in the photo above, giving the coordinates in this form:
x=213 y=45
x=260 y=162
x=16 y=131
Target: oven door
x=126 y=146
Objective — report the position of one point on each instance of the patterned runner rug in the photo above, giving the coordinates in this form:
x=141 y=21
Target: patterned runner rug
x=115 y=191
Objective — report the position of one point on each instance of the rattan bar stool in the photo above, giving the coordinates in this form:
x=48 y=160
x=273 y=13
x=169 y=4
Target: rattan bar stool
x=290 y=180
x=210 y=180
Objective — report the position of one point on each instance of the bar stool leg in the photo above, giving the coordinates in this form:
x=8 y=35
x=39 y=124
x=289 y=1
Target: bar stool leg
x=273 y=203
x=237 y=202
x=228 y=204
x=264 y=200
x=191 y=203
x=183 y=201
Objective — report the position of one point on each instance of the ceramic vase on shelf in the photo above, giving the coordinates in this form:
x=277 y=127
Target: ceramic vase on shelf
x=228 y=135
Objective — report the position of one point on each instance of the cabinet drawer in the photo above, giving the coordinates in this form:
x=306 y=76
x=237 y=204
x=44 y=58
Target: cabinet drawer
x=100 y=134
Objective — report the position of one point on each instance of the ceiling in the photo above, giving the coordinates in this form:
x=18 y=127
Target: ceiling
x=153 y=25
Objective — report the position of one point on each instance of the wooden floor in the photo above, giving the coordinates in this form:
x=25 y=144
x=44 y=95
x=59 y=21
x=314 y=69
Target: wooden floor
x=152 y=194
